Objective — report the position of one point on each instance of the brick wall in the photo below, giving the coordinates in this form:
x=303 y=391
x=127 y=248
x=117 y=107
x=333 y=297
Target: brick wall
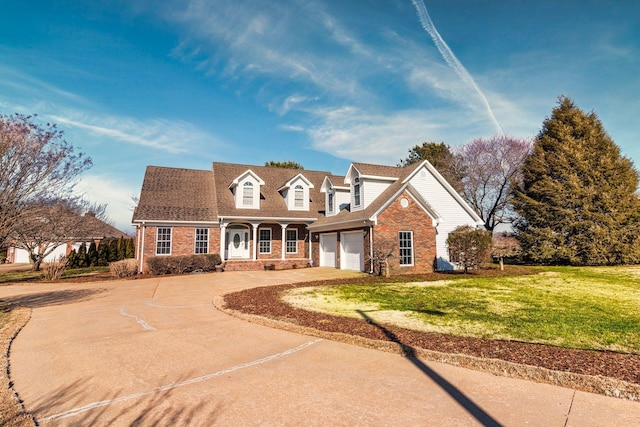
x=413 y=218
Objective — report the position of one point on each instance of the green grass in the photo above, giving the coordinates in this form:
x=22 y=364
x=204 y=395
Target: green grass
x=588 y=307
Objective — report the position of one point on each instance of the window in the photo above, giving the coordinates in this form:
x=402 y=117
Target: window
x=265 y=240
x=292 y=241
x=356 y=192
x=247 y=194
x=405 y=242
x=331 y=201
x=163 y=241
x=298 y=197
x=202 y=240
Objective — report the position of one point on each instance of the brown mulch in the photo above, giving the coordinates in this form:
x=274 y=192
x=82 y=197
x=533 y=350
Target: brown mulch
x=563 y=366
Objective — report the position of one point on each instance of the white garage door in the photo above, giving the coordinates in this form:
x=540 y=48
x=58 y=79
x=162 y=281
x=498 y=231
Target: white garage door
x=352 y=245
x=328 y=245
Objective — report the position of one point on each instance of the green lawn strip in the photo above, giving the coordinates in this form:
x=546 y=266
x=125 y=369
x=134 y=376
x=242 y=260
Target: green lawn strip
x=589 y=308
x=35 y=276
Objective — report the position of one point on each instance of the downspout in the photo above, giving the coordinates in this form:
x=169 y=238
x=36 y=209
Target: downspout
x=371 y=248
x=144 y=230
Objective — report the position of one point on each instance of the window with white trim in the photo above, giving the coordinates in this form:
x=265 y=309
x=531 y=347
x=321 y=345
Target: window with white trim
x=356 y=192
x=405 y=243
x=264 y=243
x=331 y=201
x=163 y=241
x=247 y=194
x=292 y=241
x=298 y=197
x=202 y=241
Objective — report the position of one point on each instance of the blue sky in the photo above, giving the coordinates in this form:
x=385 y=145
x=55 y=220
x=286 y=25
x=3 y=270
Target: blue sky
x=184 y=83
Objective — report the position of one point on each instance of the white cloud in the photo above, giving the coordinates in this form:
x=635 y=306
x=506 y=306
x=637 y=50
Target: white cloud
x=161 y=134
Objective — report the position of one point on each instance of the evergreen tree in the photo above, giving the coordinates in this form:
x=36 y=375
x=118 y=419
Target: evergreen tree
x=72 y=259
x=122 y=249
x=92 y=255
x=113 y=250
x=577 y=202
x=82 y=256
x=103 y=252
x=130 y=249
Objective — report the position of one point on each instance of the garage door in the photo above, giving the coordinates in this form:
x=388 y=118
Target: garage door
x=352 y=257
x=328 y=245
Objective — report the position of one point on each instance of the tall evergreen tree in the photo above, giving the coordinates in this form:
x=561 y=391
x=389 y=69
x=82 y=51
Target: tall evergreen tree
x=122 y=249
x=82 y=256
x=103 y=252
x=130 y=249
x=578 y=201
x=113 y=250
x=92 y=254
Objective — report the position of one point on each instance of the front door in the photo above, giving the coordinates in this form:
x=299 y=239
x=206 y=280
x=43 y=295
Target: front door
x=238 y=243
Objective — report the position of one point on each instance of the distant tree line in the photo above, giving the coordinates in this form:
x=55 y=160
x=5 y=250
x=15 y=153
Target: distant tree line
x=105 y=252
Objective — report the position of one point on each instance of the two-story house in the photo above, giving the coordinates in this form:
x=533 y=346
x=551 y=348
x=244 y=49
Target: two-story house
x=255 y=216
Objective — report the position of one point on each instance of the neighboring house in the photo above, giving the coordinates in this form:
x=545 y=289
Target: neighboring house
x=93 y=230
x=256 y=216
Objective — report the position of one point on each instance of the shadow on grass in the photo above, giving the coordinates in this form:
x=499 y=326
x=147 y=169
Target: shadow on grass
x=410 y=353
x=44 y=299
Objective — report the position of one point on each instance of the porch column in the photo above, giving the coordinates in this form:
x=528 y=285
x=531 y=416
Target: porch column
x=223 y=243
x=254 y=254
x=284 y=240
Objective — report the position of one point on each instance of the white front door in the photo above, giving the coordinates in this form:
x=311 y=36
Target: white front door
x=238 y=243
x=352 y=251
x=328 y=245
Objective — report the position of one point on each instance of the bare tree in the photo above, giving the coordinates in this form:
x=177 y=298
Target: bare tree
x=492 y=165
x=383 y=249
x=36 y=165
x=504 y=246
x=44 y=226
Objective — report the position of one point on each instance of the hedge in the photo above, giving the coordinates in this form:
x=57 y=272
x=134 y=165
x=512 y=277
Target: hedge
x=181 y=264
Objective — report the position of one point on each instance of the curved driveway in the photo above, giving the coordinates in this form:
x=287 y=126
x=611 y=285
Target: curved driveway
x=156 y=352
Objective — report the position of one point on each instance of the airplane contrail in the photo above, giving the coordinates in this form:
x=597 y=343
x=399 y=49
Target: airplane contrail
x=450 y=58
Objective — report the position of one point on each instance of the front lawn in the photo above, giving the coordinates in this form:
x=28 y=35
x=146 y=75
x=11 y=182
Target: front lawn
x=88 y=273
x=586 y=307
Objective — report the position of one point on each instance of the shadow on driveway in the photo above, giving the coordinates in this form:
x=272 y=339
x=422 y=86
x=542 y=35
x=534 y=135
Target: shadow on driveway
x=410 y=353
x=44 y=299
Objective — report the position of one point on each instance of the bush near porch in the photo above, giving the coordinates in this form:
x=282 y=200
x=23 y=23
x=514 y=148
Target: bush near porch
x=180 y=264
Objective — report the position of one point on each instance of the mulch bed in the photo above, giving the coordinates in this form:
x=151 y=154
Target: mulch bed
x=266 y=302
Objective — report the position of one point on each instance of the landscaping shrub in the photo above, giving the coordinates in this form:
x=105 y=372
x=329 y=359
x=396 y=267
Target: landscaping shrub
x=53 y=270
x=182 y=263
x=124 y=268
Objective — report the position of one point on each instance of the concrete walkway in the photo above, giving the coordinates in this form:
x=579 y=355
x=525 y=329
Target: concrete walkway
x=156 y=352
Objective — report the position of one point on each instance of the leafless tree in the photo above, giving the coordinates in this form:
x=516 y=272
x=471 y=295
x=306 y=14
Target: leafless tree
x=383 y=249
x=492 y=165
x=504 y=246
x=44 y=226
x=36 y=166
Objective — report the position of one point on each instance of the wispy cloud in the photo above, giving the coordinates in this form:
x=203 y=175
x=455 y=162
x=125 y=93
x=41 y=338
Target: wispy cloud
x=159 y=134
x=450 y=58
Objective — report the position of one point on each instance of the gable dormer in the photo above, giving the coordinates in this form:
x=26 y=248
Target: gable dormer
x=296 y=193
x=246 y=190
x=336 y=197
x=366 y=183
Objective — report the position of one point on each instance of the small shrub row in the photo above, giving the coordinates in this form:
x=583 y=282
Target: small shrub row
x=180 y=264
x=124 y=268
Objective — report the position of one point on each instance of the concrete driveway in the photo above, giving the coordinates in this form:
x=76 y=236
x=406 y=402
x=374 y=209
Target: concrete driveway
x=156 y=352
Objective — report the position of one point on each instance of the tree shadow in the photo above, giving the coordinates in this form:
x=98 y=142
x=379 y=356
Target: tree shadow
x=137 y=409
x=44 y=299
x=410 y=353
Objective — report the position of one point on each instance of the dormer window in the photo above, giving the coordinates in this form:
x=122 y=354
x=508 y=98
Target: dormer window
x=296 y=193
x=247 y=194
x=356 y=192
x=331 y=201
